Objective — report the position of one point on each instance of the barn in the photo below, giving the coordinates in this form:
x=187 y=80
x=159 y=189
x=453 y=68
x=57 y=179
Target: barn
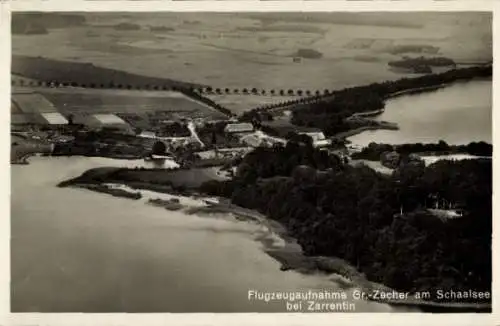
x=238 y=128
x=30 y=108
x=109 y=122
x=54 y=118
x=319 y=139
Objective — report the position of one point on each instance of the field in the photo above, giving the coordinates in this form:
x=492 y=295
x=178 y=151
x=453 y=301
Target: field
x=48 y=70
x=83 y=102
x=255 y=50
x=124 y=102
x=241 y=103
x=32 y=103
x=283 y=126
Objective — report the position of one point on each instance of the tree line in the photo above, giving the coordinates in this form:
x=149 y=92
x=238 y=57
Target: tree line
x=57 y=73
x=374 y=151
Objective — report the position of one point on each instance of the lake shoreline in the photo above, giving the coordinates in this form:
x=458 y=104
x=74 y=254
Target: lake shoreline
x=291 y=256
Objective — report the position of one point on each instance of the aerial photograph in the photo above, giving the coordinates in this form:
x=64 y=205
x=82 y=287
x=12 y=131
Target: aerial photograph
x=251 y=162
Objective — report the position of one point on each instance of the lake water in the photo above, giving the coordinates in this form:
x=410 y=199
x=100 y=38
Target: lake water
x=74 y=250
x=457 y=114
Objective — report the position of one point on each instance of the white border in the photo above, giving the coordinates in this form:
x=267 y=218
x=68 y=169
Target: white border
x=5 y=151
x=224 y=319
x=251 y=5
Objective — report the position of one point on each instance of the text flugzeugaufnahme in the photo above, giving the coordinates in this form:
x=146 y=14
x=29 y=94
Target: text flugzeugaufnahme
x=296 y=295
x=357 y=294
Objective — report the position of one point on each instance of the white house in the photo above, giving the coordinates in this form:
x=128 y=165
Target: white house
x=110 y=122
x=238 y=128
x=147 y=134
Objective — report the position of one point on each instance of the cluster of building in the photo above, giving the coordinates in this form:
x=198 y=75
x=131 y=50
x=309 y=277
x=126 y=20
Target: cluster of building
x=172 y=143
x=37 y=117
x=32 y=109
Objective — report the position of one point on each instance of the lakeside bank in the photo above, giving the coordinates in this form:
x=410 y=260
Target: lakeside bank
x=279 y=245
x=147 y=259
x=277 y=242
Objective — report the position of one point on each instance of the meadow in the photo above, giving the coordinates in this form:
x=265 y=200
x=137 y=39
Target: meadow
x=241 y=103
x=83 y=102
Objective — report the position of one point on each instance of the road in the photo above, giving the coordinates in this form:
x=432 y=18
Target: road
x=194 y=134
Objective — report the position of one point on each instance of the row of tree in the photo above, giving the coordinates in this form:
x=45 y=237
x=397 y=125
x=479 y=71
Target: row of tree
x=256 y=91
x=67 y=73
x=334 y=209
x=207 y=90
x=374 y=151
x=93 y=85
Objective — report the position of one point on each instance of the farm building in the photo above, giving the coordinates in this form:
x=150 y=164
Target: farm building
x=252 y=140
x=236 y=128
x=110 y=122
x=54 y=118
x=147 y=134
x=51 y=120
x=258 y=139
x=319 y=139
x=30 y=108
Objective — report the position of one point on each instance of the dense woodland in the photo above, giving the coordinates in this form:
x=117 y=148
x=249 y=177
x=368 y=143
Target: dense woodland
x=334 y=209
x=374 y=151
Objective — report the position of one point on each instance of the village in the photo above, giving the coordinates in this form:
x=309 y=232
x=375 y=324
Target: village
x=67 y=121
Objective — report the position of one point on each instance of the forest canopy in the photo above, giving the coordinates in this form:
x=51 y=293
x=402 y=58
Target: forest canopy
x=353 y=213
